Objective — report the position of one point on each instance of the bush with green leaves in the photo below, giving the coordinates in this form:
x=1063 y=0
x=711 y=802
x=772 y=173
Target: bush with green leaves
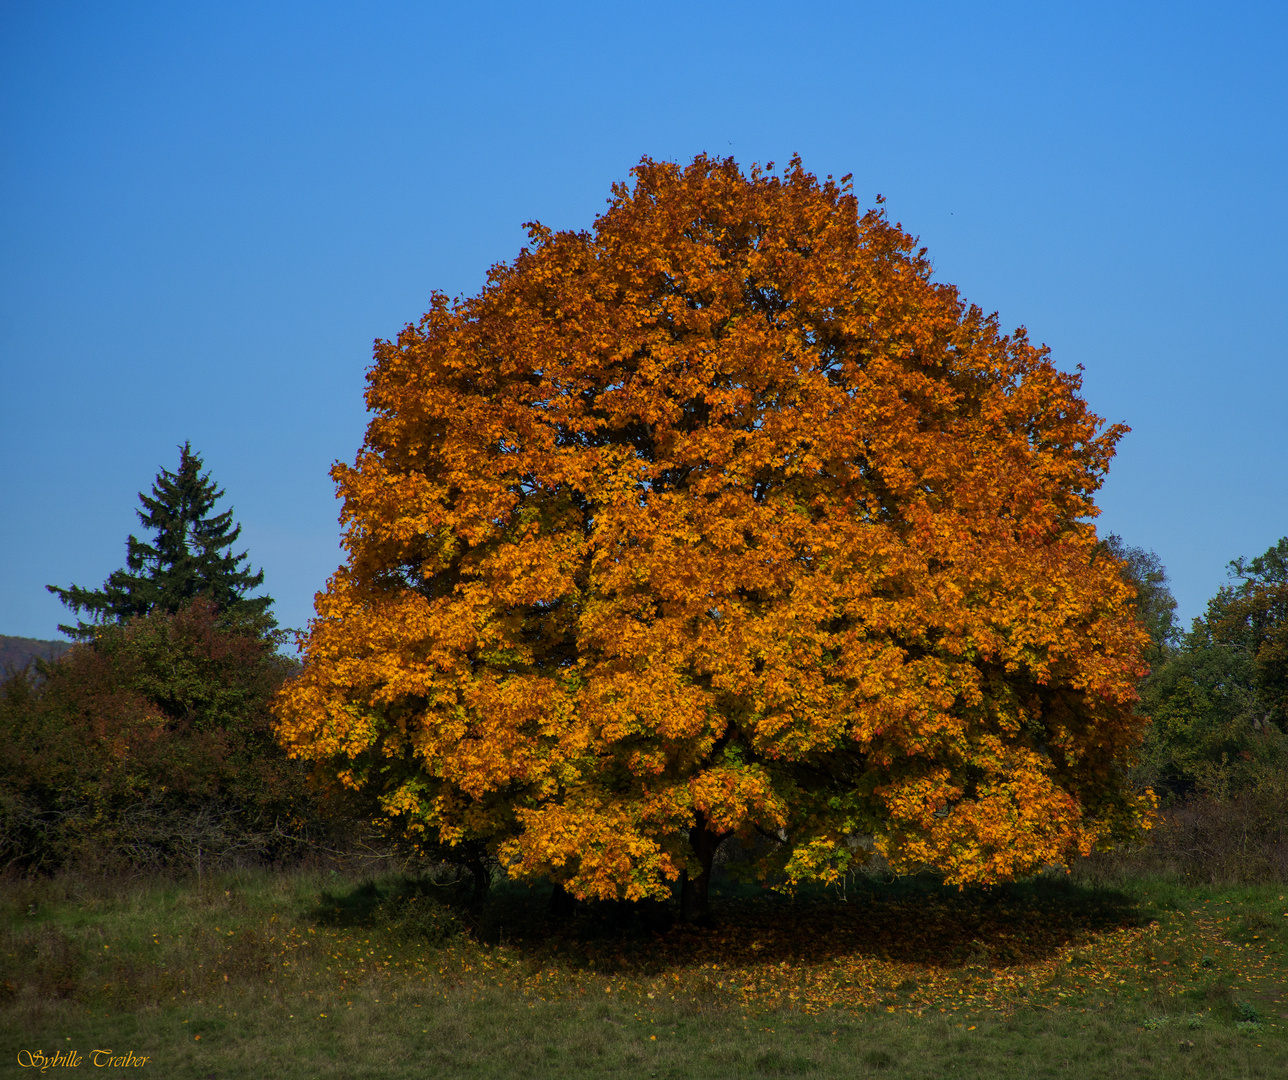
x=151 y=746
x=1219 y=700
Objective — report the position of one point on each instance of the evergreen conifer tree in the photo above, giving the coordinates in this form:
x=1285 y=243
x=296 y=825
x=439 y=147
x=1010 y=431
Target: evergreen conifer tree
x=190 y=556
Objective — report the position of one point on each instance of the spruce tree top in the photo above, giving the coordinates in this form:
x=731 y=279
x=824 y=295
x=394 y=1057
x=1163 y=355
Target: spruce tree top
x=190 y=556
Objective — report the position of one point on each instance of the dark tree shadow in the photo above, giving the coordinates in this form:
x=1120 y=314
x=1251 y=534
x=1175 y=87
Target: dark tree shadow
x=907 y=920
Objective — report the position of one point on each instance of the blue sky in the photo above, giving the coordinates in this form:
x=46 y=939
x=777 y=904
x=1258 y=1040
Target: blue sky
x=208 y=212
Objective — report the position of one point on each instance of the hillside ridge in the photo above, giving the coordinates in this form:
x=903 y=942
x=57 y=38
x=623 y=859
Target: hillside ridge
x=18 y=652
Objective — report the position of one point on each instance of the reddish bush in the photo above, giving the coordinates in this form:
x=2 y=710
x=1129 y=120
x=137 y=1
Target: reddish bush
x=151 y=746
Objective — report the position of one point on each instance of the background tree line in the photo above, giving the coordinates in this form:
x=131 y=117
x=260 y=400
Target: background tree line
x=1216 y=750
x=149 y=743
x=777 y=539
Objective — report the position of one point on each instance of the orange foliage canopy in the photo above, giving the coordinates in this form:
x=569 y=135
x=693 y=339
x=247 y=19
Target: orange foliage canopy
x=721 y=518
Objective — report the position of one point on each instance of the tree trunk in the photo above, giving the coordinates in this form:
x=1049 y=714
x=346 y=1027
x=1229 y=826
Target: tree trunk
x=481 y=872
x=695 y=904
x=561 y=903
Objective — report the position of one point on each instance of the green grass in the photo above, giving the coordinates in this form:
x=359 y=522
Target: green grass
x=318 y=976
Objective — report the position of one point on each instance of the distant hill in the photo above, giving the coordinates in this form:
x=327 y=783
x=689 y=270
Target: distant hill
x=18 y=652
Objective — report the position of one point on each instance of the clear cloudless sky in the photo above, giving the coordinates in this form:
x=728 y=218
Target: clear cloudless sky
x=208 y=212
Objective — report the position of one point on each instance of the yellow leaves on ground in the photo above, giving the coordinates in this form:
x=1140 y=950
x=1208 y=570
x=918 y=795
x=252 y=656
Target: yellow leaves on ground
x=913 y=954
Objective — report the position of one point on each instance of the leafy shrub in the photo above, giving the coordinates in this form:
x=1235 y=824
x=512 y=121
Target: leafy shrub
x=151 y=747
x=775 y=1064
x=1246 y=1013
x=419 y=917
x=1225 y=841
x=1219 y=841
x=411 y=907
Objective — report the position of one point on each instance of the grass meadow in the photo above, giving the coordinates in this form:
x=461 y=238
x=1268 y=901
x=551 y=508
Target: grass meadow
x=320 y=974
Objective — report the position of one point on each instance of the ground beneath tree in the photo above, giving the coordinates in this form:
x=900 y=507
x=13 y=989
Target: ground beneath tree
x=916 y=951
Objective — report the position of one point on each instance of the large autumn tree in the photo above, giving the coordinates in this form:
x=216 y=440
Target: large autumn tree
x=724 y=517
